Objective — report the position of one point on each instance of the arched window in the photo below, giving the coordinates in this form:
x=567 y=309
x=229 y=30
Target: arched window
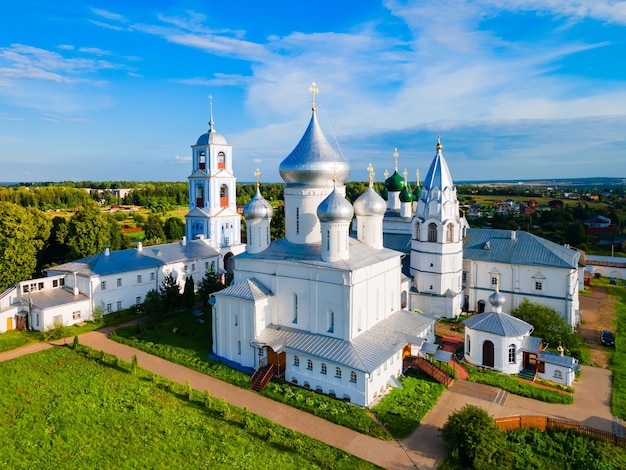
x=199 y=195
x=202 y=160
x=432 y=232
x=224 y=196
x=324 y=369
x=558 y=374
x=309 y=364
x=296 y=361
x=417 y=231
x=512 y=358
x=353 y=377
x=221 y=160
x=338 y=372
x=450 y=233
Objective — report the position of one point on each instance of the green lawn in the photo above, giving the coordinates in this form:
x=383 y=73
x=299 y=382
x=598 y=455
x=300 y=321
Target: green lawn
x=66 y=409
x=15 y=338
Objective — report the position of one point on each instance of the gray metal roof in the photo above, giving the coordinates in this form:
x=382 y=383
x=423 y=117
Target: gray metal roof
x=443 y=356
x=553 y=358
x=497 y=323
x=361 y=255
x=133 y=259
x=525 y=249
x=532 y=344
x=54 y=298
x=364 y=353
x=249 y=289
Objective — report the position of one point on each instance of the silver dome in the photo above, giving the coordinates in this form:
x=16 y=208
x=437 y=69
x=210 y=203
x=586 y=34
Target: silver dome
x=313 y=162
x=497 y=299
x=211 y=137
x=257 y=208
x=335 y=208
x=370 y=203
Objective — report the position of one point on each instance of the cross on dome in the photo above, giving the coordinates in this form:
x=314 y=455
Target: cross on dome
x=314 y=91
x=417 y=177
x=370 y=170
x=211 y=112
x=405 y=173
x=439 y=146
x=257 y=175
x=386 y=173
x=396 y=154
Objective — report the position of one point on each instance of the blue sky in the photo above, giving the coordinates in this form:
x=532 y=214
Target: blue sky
x=118 y=90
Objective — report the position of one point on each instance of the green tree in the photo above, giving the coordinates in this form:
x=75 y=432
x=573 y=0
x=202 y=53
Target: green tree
x=189 y=293
x=88 y=233
x=23 y=233
x=174 y=228
x=170 y=292
x=153 y=303
x=551 y=327
x=475 y=441
x=277 y=224
x=210 y=283
x=154 y=229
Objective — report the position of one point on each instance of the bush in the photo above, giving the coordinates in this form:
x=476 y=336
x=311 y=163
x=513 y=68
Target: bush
x=58 y=331
x=475 y=440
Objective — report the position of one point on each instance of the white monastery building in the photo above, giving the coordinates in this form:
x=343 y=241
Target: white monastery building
x=351 y=290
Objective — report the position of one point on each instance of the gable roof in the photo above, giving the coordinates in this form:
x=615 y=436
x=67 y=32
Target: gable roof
x=133 y=259
x=498 y=323
x=499 y=246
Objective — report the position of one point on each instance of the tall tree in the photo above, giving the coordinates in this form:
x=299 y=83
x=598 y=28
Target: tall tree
x=23 y=233
x=174 y=228
x=154 y=229
x=88 y=232
x=210 y=283
x=170 y=292
x=189 y=292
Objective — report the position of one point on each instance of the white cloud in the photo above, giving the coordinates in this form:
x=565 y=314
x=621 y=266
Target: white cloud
x=181 y=159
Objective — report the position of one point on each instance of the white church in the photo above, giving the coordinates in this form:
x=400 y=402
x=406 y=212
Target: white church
x=337 y=304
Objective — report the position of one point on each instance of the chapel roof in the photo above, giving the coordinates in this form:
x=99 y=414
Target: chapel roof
x=498 y=323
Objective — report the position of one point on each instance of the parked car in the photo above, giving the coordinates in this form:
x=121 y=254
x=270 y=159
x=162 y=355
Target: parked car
x=607 y=338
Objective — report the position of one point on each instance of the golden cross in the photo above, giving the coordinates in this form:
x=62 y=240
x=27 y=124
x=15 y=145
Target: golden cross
x=211 y=111
x=370 y=169
x=439 y=146
x=395 y=158
x=386 y=173
x=314 y=91
x=257 y=175
x=406 y=176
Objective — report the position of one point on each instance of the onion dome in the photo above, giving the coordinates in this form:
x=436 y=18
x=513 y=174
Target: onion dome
x=395 y=182
x=335 y=208
x=406 y=195
x=313 y=162
x=257 y=208
x=370 y=203
x=384 y=194
x=417 y=192
x=497 y=299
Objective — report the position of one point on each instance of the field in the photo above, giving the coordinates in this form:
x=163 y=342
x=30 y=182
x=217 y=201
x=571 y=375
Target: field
x=67 y=409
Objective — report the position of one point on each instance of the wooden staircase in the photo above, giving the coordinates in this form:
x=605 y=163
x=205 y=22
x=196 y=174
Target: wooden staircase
x=261 y=377
x=436 y=373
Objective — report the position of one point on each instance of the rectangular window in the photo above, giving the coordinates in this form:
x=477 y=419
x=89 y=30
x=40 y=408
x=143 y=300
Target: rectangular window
x=119 y=282
x=119 y=305
x=185 y=269
x=109 y=308
x=193 y=267
x=239 y=347
x=103 y=285
x=137 y=300
x=55 y=283
x=138 y=278
x=37 y=319
x=25 y=288
x=538 y=285
x=206 y=265
x=494 y=281
x=40 y=286
x=62 y=281
x=152 y=276
x=464 y=278
x=76 y=315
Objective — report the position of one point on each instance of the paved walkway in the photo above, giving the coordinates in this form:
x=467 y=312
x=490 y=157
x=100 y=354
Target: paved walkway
x=424 y=449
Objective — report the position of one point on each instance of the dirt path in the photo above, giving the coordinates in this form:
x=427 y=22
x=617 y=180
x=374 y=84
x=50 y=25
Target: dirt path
x=598 y=313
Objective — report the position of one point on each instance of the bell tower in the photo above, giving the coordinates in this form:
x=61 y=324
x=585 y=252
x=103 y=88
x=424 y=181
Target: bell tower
x=212 y=191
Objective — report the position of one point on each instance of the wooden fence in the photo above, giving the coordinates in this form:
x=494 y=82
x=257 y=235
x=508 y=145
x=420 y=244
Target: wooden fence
x=545 y=422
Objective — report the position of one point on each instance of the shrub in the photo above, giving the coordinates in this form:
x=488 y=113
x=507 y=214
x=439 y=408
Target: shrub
x=58 y=331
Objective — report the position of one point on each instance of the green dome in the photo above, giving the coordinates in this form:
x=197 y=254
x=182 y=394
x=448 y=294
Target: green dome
x=406 y=195
x=395 y=182
x=384 y=194
x=417 y=193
